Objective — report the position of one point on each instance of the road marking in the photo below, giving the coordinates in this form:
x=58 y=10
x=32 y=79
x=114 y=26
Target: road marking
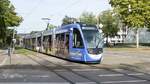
x=128 y=81
x=85 y=83
x=60 y=70
x=110 y=75
x=136 y=74
x=107 y=75
x=3 y=62
x=118 y=69
x=16 y=75
x=85 y=69
x=40 y=76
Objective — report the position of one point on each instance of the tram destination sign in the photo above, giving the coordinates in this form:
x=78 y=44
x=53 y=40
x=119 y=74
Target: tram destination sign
x=89 y=28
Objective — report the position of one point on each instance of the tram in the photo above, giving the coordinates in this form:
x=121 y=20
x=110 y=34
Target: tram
x=75 y=42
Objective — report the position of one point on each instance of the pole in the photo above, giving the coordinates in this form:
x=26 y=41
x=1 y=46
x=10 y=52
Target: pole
x=13 y=40
x=11 y=50
x=47 y=26
x=137 y=38
x=9 y=54
x=48 y=19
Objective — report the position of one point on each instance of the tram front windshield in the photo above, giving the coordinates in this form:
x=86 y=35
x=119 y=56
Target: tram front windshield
x=92 y=37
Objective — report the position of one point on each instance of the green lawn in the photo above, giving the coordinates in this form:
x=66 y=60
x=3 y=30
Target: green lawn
x=23 y=51
x=128 y=49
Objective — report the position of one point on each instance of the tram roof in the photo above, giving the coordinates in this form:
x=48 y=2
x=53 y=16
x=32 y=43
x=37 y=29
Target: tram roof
x=57 y=30
x=76 y=25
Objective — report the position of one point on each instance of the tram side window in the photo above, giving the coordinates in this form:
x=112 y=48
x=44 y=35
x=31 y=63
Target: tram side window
x=77 y=39
x=50 y=42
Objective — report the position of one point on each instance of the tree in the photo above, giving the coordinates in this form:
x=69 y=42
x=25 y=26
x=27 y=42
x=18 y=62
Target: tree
x=8 y=14
x=8 y=18
x=88 y=18
x=133 y=13
x=51 y=26
x=110 y=24
x=9 y=36
x=68 y=20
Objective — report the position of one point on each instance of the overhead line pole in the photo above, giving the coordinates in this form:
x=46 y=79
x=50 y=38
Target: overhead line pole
x=48 y=19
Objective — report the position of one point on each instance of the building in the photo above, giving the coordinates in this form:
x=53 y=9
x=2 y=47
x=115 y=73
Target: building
x=129 y=36
x=121 y=35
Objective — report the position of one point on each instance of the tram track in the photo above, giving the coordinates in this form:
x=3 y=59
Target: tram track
x=46 y=67
x=92 y=66
x=58 y=65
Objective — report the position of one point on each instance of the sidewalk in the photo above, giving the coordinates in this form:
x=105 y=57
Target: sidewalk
x=15 y=59
x=3 y=57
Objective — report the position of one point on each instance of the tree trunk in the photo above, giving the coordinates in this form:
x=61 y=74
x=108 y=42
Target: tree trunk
x=137 y=38
x=107 y=44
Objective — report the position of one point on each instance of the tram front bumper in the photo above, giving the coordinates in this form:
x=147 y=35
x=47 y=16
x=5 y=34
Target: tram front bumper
x=93 y=58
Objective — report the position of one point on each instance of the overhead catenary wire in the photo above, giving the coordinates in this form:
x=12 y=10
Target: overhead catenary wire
x=27 y=15
x=33 y=9
x=69 y=6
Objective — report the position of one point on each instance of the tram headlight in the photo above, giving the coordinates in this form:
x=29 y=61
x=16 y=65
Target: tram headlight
x=76 y=54
x=79 y=54
x=95 y=51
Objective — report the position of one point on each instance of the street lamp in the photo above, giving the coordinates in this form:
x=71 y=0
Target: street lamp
x=47 y=19
x=13 y=41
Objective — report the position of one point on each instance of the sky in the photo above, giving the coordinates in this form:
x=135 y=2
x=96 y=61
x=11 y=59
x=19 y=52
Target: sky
x=33 y=11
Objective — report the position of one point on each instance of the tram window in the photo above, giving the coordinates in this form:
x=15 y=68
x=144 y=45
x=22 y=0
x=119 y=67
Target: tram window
x=67 y=41
x=62 y=36
x=50 y=42
x=60 y=40
x=77 y=39
x=39 y=41
x=45 y=41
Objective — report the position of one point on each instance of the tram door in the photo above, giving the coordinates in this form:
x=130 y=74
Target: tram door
x=77 y=45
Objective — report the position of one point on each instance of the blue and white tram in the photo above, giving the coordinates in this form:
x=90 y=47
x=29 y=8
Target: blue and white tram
x=76 y=42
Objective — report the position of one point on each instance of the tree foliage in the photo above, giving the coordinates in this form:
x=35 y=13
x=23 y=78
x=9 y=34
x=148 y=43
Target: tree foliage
x=88 y=18
x=8 y=18
x=110 y=23
x=68 y=20
x=51 y=26
x=8 y=14
x=134 y=13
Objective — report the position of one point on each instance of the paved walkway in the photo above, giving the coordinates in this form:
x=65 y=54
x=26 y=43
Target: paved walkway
x=3 y=57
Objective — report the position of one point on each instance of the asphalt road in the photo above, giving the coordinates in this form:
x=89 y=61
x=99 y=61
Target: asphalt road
x=44 y=69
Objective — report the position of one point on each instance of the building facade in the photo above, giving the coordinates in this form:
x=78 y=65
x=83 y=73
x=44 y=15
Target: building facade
x=129 y=36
